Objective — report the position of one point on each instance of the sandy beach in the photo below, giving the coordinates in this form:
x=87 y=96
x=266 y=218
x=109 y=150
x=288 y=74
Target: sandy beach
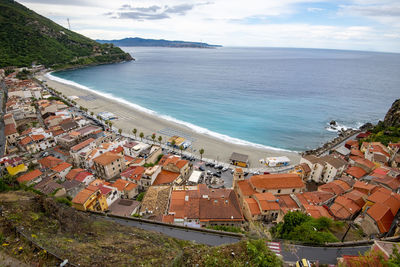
x=130 y=118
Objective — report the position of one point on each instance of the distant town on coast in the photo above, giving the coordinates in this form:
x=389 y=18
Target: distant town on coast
x=92 y=178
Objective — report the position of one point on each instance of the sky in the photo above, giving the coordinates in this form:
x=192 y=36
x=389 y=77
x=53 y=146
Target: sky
x=371 y=25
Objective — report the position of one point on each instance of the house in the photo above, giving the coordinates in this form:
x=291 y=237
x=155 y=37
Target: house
x=288 y=203
x=109 y=165
x=149 y=176
x=155 y=202
x=84 y=177
x=364 y=188
x=153 y=154
x=11 y=133
x=303 y=170
x=175 y=164
x=133 y=174
x=367 y=165
x=318 y=198
x=268 y=206
x=72 y=187
x=199 y=206
x=90 y=199
x=49 y=162
x=316 y=211
x=239 y=160
x=355 y=172
x=166 y=177
x=72 y=173
x=124 y=207
x=62 y=169
x=351 y=144
x=48 y=186
x=324 y=169
x=337 y=187
x=31 y=177
x=342 y=152
x=75 y=150
x=14 y=170
x=282 y=183
x=127 y=189
x=348 y=205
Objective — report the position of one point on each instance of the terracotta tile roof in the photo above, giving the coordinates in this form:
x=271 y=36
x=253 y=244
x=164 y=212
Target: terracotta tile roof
x=82 y=145
x=128 y=158
x=337 y=187
x=82 y=196
x=61 y=167
x=356 y=172
x=166 y=177
x=133 y=173
x=348 y=205
x=29 y=176
x=364 y=162
x=156 y=200
x=390 y=182
x=253 y=206
x=26 y=140
x=351 y=143
x=382 y=215
x=305 y=167
x=245 y=188
x=168 y=218
x=81 y=176
x=106 y=158
x=267 y=201
x=118 y=150
x=277 y=181
x=317 y=197
x=37 y=137
x=364 y=187
x=104 y=190
x=316 y=211
x=287 y=203
x=131 y=186
x=120 y=184
x=181 y=163
x=49 y=162
x=335 y=162
x=10 y=129
x=357 y=153
x=221 y=209
x=72 y=173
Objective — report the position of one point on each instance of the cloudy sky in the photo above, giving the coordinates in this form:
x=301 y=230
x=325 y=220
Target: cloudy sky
x=342 y=24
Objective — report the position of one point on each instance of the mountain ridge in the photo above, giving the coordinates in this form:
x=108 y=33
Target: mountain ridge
x=27 y=37
x=137 y=41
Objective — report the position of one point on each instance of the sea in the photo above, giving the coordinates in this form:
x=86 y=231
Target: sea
x=279 y=98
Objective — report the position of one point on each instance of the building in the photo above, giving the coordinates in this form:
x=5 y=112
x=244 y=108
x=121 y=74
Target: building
x=90 y=199
x=239 y=160
x=127 y=189
x=32 y=177
x=155 y=202
x=11 y=133
x=324 y=169
x=199 y=206
x=109 y=165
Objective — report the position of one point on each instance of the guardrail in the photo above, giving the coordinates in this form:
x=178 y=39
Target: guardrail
x=188 y=228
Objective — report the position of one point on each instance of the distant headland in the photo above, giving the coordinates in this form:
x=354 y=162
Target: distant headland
x=153 y=42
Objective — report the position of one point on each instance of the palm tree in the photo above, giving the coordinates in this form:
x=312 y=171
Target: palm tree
x=173 y=144
x=134 y=131
x=201 y=151
x=153 y=136
x=141 y=136
x=160 y=139
x=181 y=148
x=120 y=131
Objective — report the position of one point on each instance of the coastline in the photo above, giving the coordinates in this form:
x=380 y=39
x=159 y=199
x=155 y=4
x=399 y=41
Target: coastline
x=131 y=116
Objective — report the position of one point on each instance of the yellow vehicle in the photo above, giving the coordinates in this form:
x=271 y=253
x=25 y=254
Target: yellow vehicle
x=303 y=263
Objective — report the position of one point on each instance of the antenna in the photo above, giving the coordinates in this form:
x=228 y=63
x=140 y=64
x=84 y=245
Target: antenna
x=69 y=25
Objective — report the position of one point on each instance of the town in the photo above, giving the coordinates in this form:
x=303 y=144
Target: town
x=59 y=149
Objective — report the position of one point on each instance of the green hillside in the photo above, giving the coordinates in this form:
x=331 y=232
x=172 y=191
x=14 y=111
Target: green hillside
x=27 y=37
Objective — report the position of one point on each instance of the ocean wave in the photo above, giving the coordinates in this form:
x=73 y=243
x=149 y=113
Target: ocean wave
x=338 y=127
x=193 y=127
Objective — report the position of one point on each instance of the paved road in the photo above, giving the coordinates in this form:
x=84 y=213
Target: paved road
x=2 y=136
x=322 y=254
x=184 y=234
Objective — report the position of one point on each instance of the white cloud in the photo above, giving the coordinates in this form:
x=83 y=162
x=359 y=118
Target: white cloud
x=216 y=21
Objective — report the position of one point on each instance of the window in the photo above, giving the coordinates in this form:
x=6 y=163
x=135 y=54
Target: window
x=293 y=190
x=279 y=191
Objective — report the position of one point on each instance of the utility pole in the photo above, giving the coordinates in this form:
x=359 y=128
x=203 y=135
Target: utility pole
x=69 y=25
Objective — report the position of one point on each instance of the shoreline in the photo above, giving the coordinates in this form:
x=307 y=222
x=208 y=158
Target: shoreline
x=147 y=121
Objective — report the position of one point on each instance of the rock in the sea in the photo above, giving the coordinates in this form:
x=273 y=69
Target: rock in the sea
x=333 y=123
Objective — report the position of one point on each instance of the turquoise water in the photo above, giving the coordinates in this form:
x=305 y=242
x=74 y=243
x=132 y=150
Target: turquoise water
x=282 y=98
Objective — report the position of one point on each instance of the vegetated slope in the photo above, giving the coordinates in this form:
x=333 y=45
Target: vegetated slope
x=90 y=241
x=153 y=42
x=27 y=37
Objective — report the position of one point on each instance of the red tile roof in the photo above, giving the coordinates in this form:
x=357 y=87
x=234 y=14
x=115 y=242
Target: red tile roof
x=81 y=176
x=245 y=188
x=82 y=145
x=165 y=177
x=276 y=181
x=356 y=172
x=106 y=158
x=61 y=167
x=49 y=162
x=336 y=187
x=26 y=140
x=37 y=137
x=253 y=206
x=29 y=176
x=133 y=173
x=364 y=162
x=72 y=173
x=10 y=129
x=382 y=215
x=316 y=211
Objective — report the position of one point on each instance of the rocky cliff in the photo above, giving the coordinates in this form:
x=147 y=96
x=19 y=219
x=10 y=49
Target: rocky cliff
x=392 y=118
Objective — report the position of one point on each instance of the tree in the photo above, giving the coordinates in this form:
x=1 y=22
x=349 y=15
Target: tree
x=201 y=151
x=120 y=131
x=141 y=136
x=160 y=139
x=181 y=148
x=134 y=131
x=153 y=136
x=260 y=255
x=140 y=196
x=92 y=113
x=173 y=144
